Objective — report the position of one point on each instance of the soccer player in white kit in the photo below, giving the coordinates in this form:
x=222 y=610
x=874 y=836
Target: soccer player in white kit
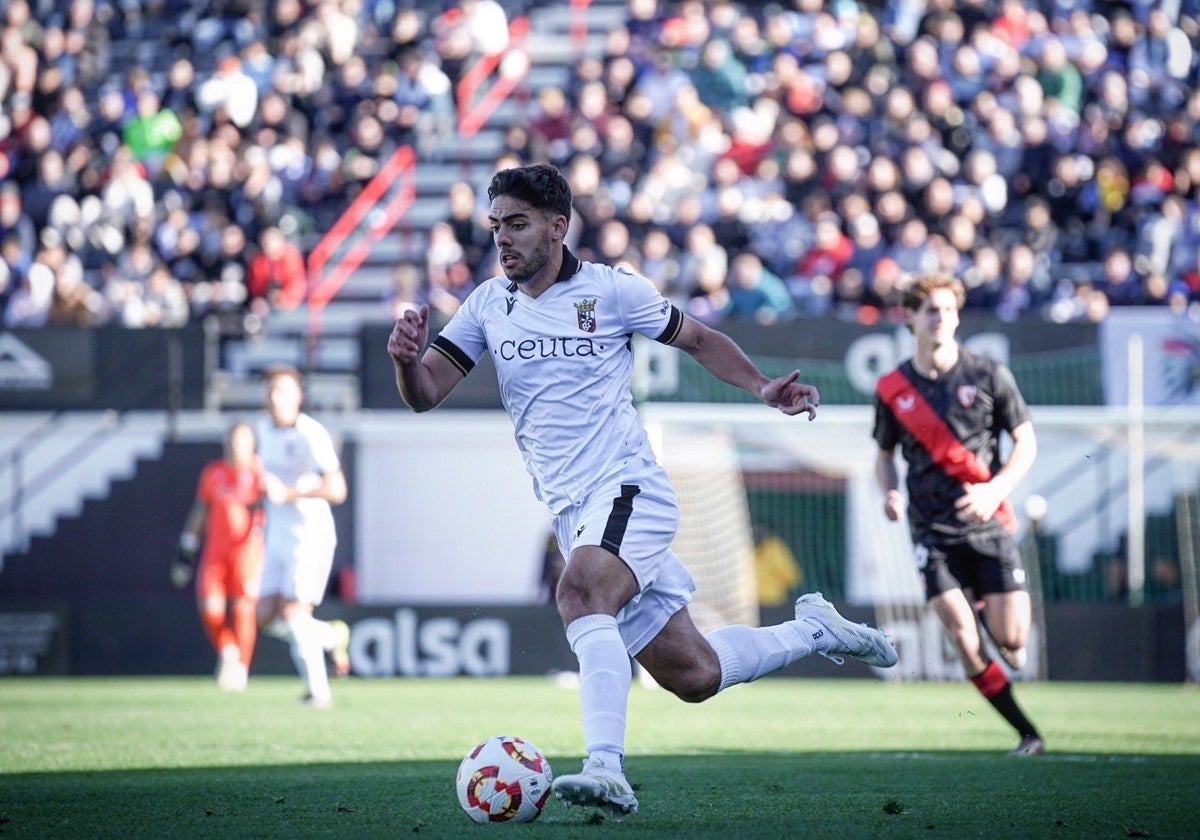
x=302 y=478
x=559 y=333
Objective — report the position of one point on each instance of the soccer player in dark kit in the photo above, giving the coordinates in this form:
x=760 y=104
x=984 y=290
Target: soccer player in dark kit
x=946 y=409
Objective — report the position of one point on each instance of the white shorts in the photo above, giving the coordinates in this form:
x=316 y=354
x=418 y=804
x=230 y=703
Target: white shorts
x=634 y=517
x=297 y=565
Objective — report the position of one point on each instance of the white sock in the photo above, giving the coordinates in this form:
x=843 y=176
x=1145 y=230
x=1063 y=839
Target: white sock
x=309 y=656
x=604 y=679
x=747 y=653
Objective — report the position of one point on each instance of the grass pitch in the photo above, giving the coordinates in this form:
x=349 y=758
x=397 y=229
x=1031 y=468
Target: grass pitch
x=175 y=758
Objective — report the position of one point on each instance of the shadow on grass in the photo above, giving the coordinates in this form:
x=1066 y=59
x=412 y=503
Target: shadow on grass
x=723 y=795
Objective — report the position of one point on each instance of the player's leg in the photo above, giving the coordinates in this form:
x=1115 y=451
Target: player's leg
x=269 y=610
x=307 y=653
x=280 y=614
x=245 y=597
x=682 y=661
x=311 y=637
x=594 y=586
x=212 y=593
x=275 y=570
x=694 y=667
x=210 y=602
x=1000 y=580
x=1007 y=610
x=1008 y=616
x=958 y=616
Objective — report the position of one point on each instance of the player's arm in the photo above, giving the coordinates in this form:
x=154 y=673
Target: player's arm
x=720 y=355
x=980 y=501
x=888 y=479
x=330 y=486
x=423 y=381
x=183 y=566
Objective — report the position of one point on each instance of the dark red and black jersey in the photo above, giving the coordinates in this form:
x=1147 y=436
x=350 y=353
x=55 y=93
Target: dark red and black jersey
x=948 y=430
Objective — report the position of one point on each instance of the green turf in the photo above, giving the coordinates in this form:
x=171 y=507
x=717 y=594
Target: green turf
x=173 y=757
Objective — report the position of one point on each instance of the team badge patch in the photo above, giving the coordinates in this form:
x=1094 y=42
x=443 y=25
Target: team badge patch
x=967 y=395
x=585 y=313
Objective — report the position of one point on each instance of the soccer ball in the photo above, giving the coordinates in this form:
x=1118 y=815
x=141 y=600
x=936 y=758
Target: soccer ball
x=504 y=779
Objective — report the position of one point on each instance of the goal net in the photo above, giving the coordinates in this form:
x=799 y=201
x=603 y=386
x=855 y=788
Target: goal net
x=714 y=538
x=1106 y=490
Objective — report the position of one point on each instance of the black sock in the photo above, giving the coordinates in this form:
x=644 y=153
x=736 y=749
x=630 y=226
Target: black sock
x=993 y=684
x=1006 y=705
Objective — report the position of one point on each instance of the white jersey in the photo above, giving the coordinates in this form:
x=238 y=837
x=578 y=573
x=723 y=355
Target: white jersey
x=298 y=456
x=564 y=361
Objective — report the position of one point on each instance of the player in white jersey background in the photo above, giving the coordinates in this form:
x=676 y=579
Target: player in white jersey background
x=302 y=478
x=559 y=333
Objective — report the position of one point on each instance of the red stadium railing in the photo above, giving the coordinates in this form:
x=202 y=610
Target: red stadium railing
x=380 y=205
x=394 y=186
x=472 y=114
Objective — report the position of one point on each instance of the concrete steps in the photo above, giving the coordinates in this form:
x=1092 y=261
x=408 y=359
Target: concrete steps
x=63 y=460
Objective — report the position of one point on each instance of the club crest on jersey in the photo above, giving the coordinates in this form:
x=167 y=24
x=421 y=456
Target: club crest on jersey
x=585 y=313
x=966 y=395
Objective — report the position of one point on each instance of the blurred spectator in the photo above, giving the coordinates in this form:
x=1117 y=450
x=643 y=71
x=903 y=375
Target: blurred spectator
x=811 y=285
x=550 y=127
x=426 y=104
x=1010 y=143
x=14 y=221
x=230 y=91
x=152 y=132
x=275 y=277
x=74 y=303
x=29 y=302
x=755 y=294
x=127 y=196
x=720 y=78
x=408 y=290
x=1119 y=281
x=443 y=251
x=450 y=287
x=709 y=301
x=468 y=222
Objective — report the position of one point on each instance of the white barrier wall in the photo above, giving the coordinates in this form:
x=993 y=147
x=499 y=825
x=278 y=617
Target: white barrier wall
x=445 y=511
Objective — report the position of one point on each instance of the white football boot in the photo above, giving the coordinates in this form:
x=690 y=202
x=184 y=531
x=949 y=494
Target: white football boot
x=1030 y=745
x=856 y=640
x=231 y=674
x=597 y=786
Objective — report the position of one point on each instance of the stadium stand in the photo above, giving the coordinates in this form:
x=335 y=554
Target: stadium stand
x=1046 y=152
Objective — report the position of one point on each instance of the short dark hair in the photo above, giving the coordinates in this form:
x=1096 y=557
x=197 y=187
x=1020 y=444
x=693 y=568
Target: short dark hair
x=540 y=185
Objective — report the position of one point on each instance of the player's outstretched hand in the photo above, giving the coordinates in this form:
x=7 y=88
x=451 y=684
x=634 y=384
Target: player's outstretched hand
x=409 y=334
x=792 y=397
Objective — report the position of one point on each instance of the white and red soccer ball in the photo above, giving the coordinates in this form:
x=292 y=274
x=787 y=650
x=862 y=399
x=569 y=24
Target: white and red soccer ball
x=504 y=779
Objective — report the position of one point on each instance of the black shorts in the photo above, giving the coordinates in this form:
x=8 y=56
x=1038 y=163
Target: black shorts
x=983 y=564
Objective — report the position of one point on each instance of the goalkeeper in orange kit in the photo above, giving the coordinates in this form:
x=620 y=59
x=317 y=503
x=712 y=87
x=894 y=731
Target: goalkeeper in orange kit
x=227 y=520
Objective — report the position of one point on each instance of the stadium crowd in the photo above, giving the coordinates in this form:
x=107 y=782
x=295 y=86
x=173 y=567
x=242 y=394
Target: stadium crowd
x=163 y=159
